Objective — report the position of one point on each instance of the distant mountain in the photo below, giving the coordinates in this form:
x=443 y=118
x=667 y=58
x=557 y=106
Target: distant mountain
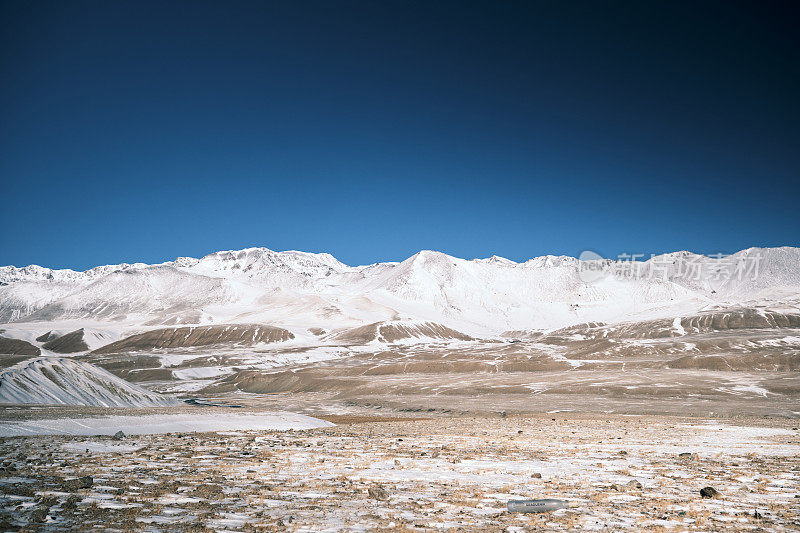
x=299 y=290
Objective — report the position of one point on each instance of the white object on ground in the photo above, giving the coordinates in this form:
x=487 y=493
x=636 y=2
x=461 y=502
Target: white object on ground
x=536 y=506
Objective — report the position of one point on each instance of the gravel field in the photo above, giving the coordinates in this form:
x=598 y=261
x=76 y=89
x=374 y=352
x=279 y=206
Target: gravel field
x=390 y=474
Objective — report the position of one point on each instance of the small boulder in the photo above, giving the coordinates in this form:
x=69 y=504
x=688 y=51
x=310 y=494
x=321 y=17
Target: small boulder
x=84 y=482
x=536 y=475
x=119 y=435
x=39 y=514
x=48 y=501
x=71 y=503
x=688 y=455
x=709 y=492
x=377 y=492
x=634 y=484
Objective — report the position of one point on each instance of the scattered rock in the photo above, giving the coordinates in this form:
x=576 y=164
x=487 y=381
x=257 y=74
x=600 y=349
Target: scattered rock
x=377 y=492
x=18 y=489
x=709 y=492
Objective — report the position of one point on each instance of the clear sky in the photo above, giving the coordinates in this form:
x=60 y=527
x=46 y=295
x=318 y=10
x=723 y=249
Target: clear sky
x=143 y=131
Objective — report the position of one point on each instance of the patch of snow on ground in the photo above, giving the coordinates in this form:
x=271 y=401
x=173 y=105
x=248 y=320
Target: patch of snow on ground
x=151 y=424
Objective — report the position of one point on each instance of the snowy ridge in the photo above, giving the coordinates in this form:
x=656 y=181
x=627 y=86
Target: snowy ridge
x=397 y=331
x=61 y=381
x=298 y=290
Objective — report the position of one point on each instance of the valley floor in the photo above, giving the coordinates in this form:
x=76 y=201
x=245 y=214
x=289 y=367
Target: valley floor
x=425 y=474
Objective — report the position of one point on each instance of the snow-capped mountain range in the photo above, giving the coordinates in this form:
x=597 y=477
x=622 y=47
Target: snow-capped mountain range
x=301 y=291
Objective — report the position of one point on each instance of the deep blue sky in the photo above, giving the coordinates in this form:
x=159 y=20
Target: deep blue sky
x=142 y=131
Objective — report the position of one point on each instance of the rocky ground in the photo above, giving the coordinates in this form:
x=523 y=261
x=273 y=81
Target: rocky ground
x=439 y=474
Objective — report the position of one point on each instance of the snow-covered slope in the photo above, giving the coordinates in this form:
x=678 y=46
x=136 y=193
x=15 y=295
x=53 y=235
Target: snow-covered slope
x=51 y=380
x=162 y=292
x=299 y=290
